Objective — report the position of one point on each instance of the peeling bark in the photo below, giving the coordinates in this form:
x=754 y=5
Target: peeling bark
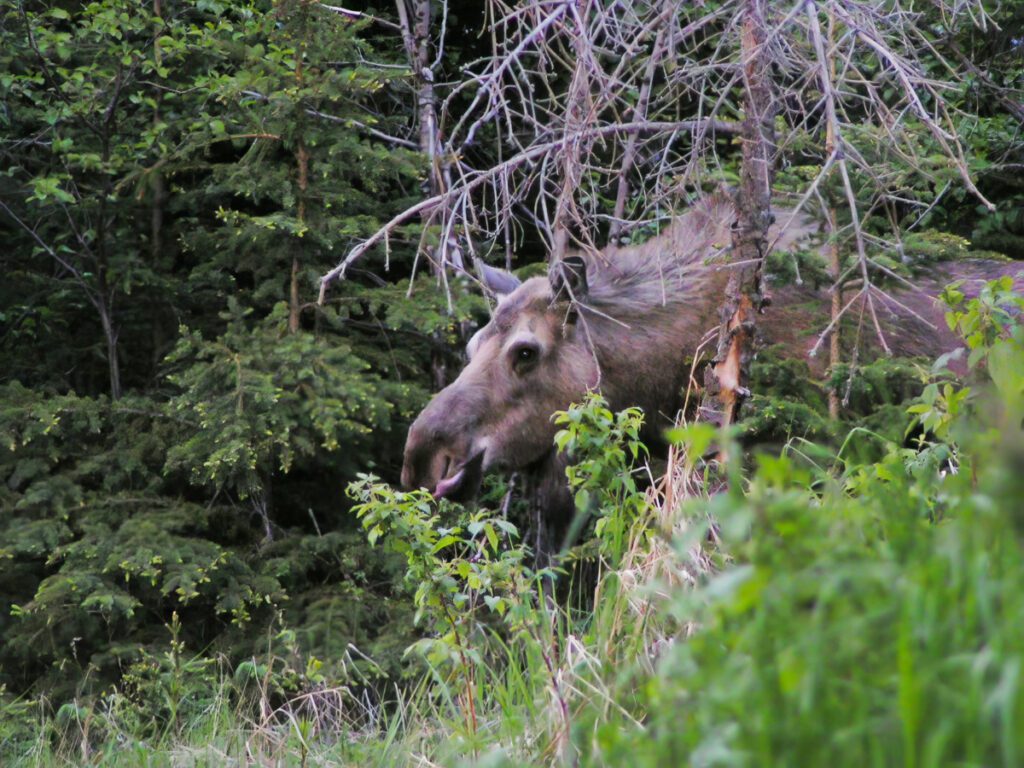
x=726 y=379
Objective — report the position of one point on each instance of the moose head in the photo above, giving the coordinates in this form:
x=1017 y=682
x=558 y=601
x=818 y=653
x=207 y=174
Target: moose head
x=622 y=321
x=529 y=361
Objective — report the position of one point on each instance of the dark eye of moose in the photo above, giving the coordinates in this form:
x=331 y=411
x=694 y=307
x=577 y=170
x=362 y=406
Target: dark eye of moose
x=523 y=356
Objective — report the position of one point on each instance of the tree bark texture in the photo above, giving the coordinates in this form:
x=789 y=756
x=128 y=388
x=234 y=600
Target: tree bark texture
x=726 y=379
x=834 y=263
x=414 y=18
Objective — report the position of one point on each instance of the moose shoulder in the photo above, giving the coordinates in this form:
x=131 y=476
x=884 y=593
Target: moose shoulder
x=623 y=321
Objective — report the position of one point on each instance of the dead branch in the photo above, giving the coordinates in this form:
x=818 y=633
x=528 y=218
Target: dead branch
x=471 y=184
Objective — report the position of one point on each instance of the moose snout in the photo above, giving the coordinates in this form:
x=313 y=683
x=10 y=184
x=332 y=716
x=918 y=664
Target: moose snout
x=439 y=451
x=444 y=449
x=416 y=461
x=430 y=455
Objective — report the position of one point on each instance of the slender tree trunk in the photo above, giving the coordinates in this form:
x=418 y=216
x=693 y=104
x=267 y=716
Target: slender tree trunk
x=414 y=18
x=294 y=305
x=110 y=335
x=726 y=379
x=293 y=297
x=105 y=294
x=835 y=338
x=425 y=98
x=156 y=222
x=834 y=266
x=156 y=209
x=302 y=167
x=416 y=40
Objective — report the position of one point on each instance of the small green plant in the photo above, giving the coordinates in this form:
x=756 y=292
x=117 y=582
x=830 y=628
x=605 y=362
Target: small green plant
x=19 y=725
x=604 y=450
x=171 y=688
x=990 y=326
x=987 y=321
x=460 y=573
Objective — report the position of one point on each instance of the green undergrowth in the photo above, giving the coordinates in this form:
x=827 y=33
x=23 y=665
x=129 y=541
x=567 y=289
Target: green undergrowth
x=824 y=609
x=789 y=402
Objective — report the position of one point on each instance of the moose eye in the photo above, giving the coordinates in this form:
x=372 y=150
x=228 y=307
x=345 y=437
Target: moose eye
x=524 y=355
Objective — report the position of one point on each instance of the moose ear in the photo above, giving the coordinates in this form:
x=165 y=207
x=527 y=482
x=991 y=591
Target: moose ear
x=497 y=281
x=568 y=278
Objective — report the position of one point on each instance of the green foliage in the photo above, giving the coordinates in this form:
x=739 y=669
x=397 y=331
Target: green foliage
x=298 y=182
x=789 y=403
x=990 y=325
x=604 y=450
x=171 y=688
x=92 y=549
x=460 y=574
x=176 y=413
x=863 y=612
x=782 y=418
x=261 y=398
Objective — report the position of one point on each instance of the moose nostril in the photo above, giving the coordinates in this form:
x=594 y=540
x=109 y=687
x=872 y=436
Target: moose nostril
x=422 y=465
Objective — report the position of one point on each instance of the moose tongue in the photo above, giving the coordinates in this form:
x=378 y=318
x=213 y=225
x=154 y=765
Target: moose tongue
x=449 y=485
x=463 y=484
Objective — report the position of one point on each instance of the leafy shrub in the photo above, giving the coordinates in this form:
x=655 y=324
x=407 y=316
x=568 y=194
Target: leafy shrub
x=604 y=450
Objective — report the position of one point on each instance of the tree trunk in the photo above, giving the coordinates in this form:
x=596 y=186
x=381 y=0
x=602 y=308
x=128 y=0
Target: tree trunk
x=294 y=305
x=416 y=40
x=157 y=205
x=834 y=340
x=105 y=298
x=415 y=26
x=302 y=167
x=834 y=264
x=726 y=379
x=156 y=208
x=110 y=335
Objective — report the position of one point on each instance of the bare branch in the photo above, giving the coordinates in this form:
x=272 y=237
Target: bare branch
x=364 y=127
x=471 y=184
x=358 y=15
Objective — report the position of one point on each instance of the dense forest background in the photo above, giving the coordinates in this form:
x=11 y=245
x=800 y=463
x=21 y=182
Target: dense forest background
x=179 y=416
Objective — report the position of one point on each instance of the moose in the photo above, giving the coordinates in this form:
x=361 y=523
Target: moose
x=623 y=321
